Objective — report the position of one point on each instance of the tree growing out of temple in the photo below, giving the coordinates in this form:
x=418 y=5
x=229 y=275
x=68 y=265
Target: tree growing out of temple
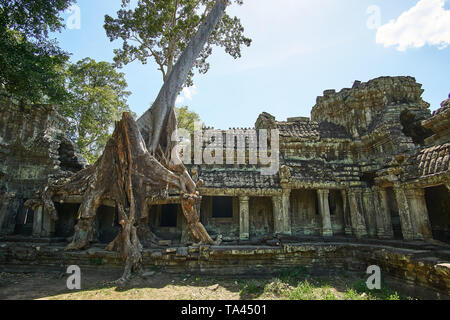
x=160 y=30
x=137 y=165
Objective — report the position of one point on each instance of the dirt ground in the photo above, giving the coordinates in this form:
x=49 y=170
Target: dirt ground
x=97 y=285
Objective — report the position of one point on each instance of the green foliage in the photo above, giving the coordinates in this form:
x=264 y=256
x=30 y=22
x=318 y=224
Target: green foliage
x=161 y=30
x=30 y=63
x=186 y=118
x=303 y=291
x=359 y=291
x=97 y=98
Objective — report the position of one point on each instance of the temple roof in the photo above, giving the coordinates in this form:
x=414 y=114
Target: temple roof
x=434 y=160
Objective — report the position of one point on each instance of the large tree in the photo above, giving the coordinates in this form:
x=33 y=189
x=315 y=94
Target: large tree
x=161 y=30
x=130 y=171
x=31 y=64
x=97 y=98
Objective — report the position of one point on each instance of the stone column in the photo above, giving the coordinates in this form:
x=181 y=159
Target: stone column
x=277 y=214
x=382 y=213
x=378 y=213
x=386 y=213
x=37 y=222
x=244 y=218
x=346 y=209
x=369 y=212
x=419 y=214
x=286 y=210
x=357 y=217
x=324 y=210
x=48 y=225
x=404 y=212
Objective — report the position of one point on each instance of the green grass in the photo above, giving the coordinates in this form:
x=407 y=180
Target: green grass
x=359 y=288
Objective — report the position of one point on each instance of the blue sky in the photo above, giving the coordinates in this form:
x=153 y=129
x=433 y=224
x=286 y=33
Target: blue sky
x=300 y=48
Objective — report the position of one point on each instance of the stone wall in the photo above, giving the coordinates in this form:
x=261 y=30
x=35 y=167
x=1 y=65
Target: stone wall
x=423 y=270
x=34 y=150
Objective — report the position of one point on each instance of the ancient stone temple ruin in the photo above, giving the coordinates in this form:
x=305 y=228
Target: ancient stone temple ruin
x=372 y=162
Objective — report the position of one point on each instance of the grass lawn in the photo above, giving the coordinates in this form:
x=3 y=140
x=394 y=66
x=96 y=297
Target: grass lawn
x=296 y=284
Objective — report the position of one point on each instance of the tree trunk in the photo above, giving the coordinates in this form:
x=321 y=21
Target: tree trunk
x=154 y=123
x=130 y=172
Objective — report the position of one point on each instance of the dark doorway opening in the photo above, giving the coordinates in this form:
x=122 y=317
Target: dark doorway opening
x=107 y=224
x=438 y=204
x=169 y=214
x=67 y=218
x=395 y=216
x=222 y=207
x=24 y=221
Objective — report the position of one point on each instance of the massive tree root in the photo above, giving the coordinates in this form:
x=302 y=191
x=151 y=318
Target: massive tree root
x=137 y=165
x=129 y=175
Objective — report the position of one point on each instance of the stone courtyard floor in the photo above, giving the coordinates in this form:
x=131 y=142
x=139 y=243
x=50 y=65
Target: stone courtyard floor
x=295 y=284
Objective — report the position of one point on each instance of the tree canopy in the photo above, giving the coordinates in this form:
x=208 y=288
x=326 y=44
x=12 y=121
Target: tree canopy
x=30 y=63
x=97 y=98
x=161 y=29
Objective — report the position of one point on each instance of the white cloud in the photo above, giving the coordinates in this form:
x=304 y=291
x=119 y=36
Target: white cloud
x=426 y=23
x=186 y=94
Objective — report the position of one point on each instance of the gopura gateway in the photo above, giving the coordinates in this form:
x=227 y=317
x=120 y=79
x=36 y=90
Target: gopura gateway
x=372 y=162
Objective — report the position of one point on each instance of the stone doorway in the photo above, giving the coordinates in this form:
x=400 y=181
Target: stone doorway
x=438 y=205
x=395 y=216
x=67 y=219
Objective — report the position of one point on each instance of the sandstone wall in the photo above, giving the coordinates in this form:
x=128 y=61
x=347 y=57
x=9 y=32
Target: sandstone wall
x=34 y=150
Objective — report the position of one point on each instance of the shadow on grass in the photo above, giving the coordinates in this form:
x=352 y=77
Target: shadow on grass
x=293 y=284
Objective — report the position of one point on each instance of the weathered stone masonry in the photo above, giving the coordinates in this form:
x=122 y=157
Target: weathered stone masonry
x=371 y=165
x=34 y=150
x=371 y=162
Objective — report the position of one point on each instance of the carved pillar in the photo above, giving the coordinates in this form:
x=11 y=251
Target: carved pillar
x=277 y=214
x=285 y=207
x=386 y=211
x=37 y=222
x=244 y=218
x=281 y=213
x=357 y=217
x=369 y=212
x=383 y=214
x=324 y=210
x=419 y=214
x=378 y=213
x=404 y=212
x=48 y=225
x=346 y=209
